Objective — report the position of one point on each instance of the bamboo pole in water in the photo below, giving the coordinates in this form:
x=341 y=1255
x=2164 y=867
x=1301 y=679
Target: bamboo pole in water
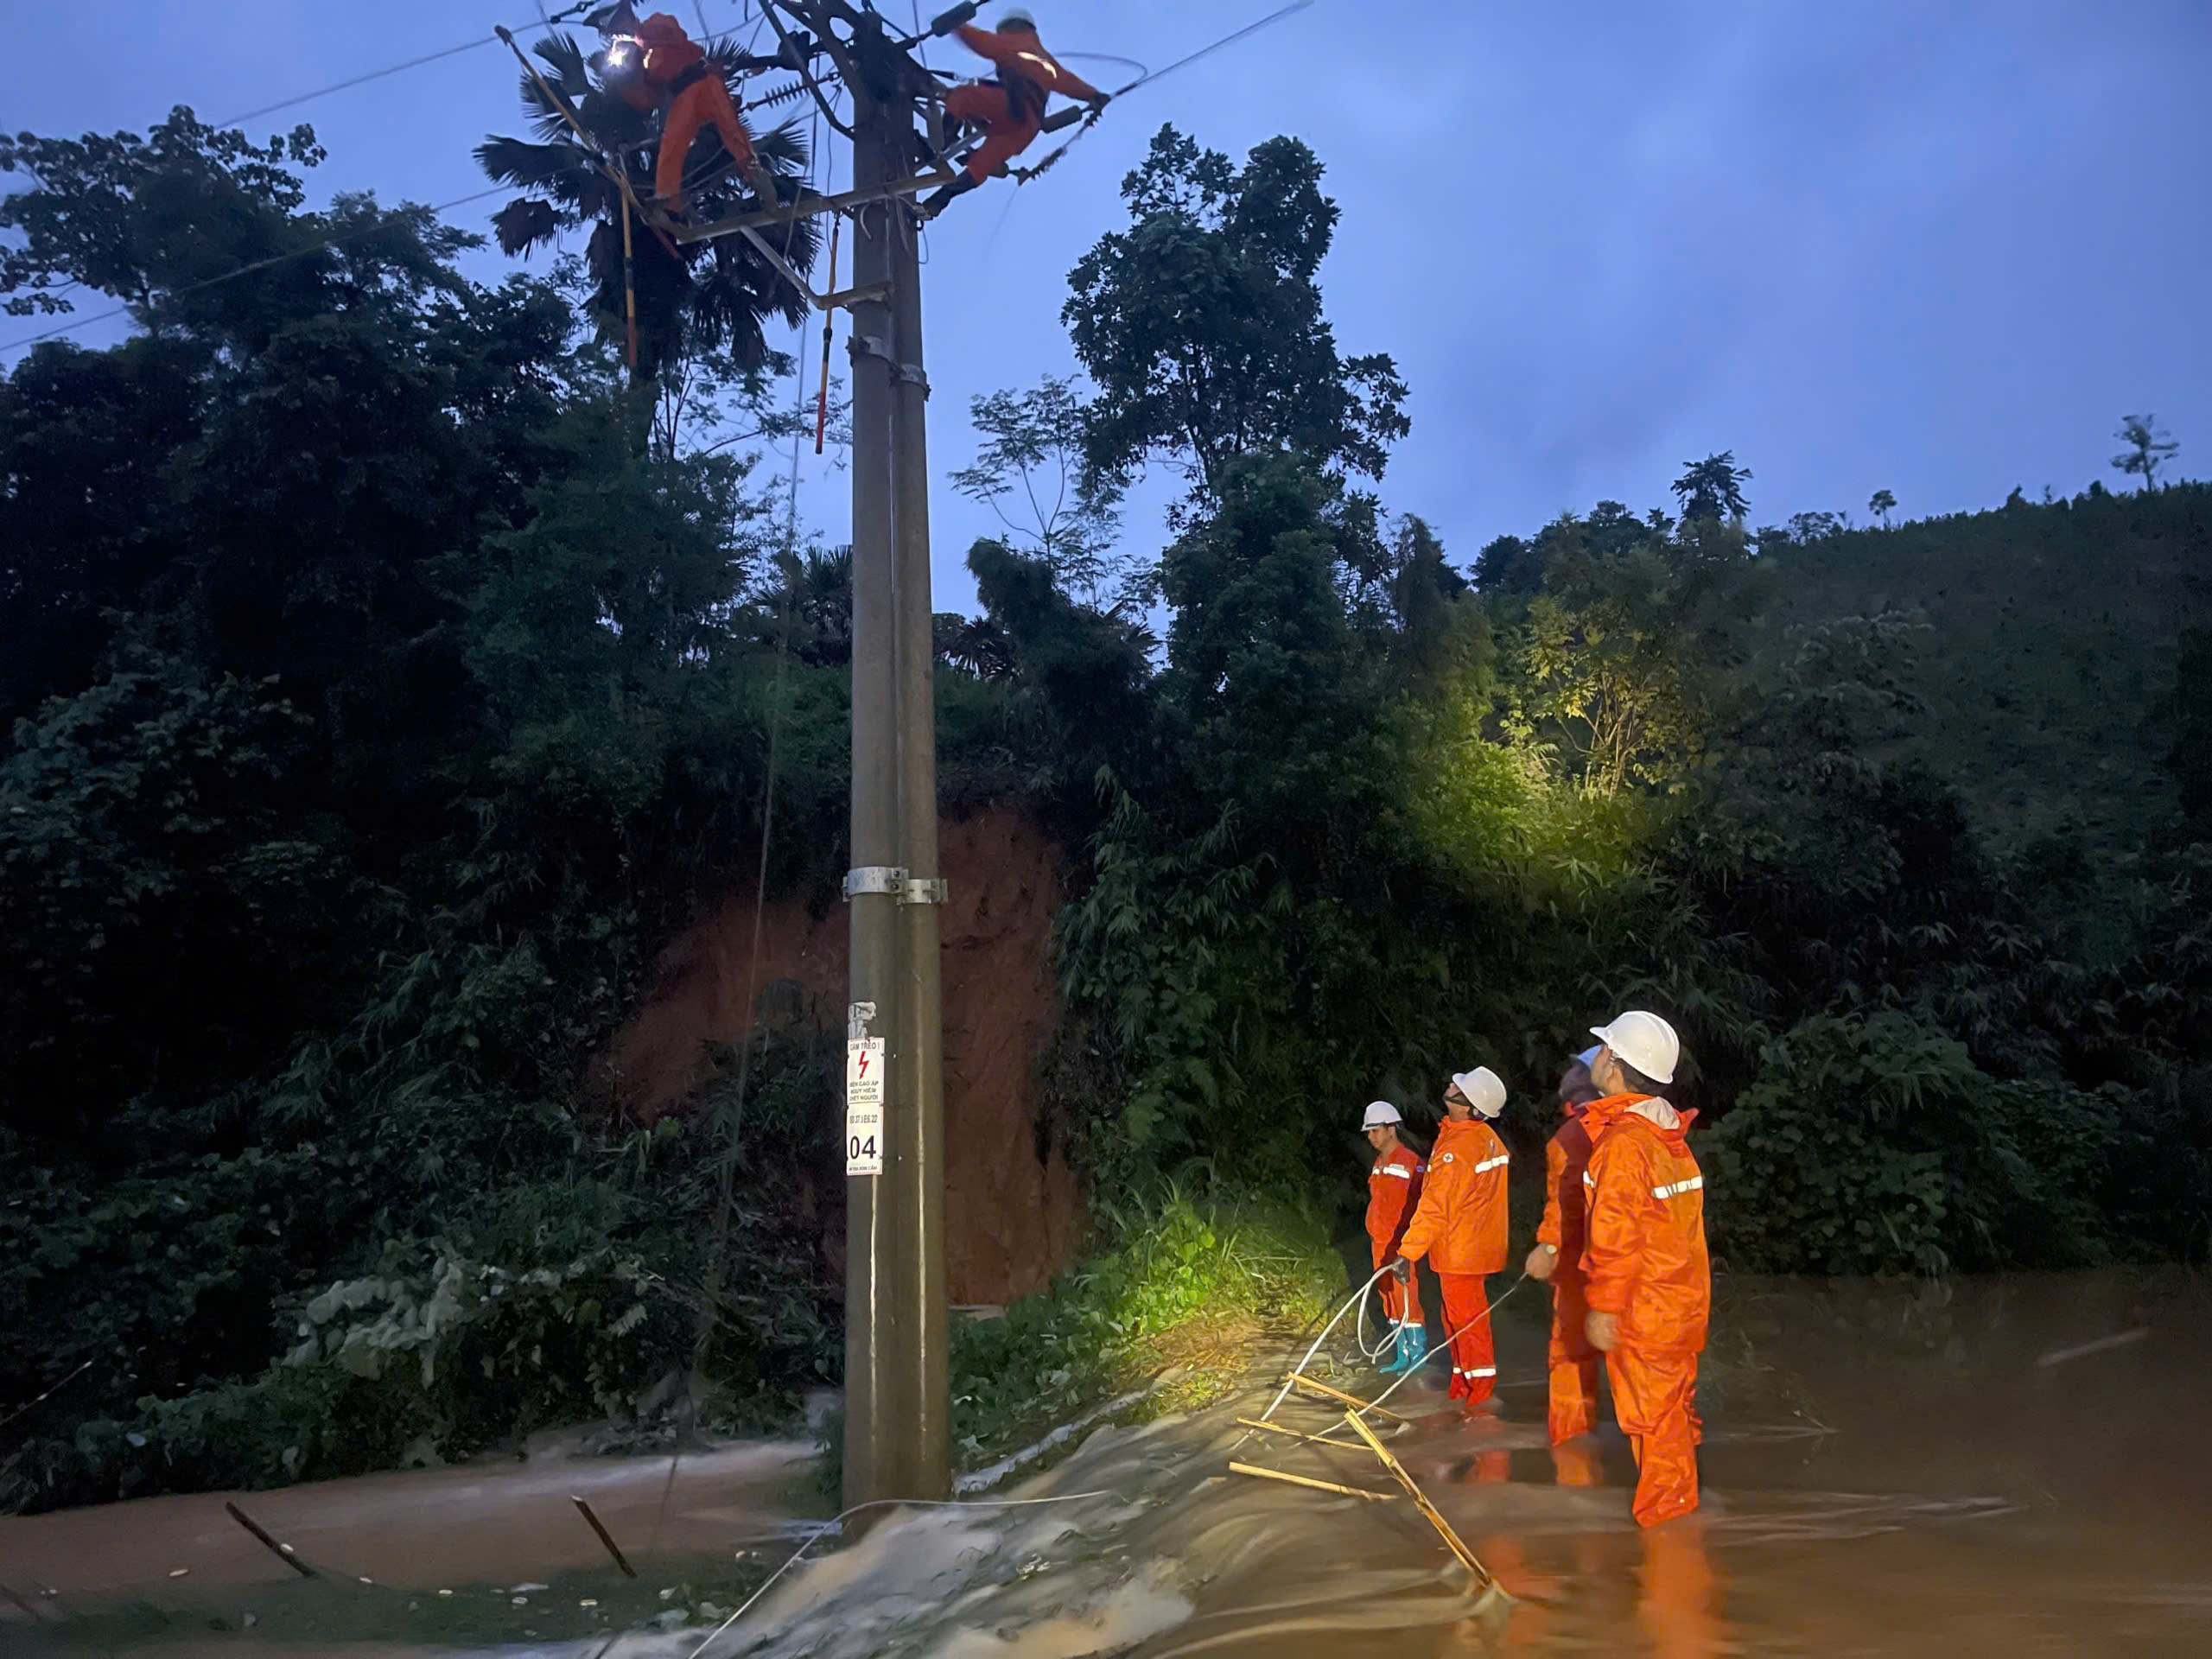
x=1343 y=1399
x=1483 y=1575
x=1317 y=1486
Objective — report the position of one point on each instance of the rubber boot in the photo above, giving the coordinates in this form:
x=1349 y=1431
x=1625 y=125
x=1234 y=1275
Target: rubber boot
x=1412 y=1346
x=1397 y=1361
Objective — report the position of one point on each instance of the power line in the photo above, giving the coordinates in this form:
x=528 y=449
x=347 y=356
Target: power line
x=363 y=81
x=175 y=294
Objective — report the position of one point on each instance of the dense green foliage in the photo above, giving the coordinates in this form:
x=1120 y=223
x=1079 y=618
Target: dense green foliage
x=391 y=679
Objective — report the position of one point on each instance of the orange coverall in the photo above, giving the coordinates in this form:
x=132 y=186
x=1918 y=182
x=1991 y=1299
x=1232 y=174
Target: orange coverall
x=1644 y=1262
x=1460 y=1227
x=1012 y=111
x=676 y=65
x=1574 y=1363
x=1392 y=1191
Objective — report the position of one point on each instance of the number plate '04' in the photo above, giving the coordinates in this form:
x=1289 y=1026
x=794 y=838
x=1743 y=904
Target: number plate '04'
x=864 y=1106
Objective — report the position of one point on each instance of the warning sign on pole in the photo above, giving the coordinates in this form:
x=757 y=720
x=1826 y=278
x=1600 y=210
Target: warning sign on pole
x=864 y=1106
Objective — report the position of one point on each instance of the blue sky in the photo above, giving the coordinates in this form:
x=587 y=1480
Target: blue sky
x=1935 y=248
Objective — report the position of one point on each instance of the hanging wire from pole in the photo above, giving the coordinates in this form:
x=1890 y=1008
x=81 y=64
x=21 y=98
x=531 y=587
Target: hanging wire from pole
x=544 y=22
x=1023 y=175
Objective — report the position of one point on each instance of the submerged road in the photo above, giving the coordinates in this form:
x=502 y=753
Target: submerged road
x=2009 y=1466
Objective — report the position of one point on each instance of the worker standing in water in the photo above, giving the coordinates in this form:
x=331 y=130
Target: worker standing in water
x=1010 y=106
x=1574 y=1364
x=1393 y=1193
x=1460 y=1226
x=1646 y=1279
x=655 y=63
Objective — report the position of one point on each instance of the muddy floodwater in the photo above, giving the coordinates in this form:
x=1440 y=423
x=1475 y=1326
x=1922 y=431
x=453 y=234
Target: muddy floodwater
x=2014 y=1466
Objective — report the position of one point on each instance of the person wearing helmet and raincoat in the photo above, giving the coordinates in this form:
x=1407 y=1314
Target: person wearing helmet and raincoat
x=655 y=63
x=1574 y=1363
x=1645 y=1277
x=1009 y=107
x=1459 y=1225
x=1393 y=1193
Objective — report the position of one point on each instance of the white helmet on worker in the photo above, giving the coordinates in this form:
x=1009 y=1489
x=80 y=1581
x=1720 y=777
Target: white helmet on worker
x=1644 y=1041
x=1018 y=18
x=1484 y=1090
x=1380 y=1113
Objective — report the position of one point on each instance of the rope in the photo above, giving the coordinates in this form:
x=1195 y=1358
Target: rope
x=1497 y=1303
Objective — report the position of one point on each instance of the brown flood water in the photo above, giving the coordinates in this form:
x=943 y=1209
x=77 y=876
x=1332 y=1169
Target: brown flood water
x=2013 y=1466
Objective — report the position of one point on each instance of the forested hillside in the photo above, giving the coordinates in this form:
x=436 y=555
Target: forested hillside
x=392 y=678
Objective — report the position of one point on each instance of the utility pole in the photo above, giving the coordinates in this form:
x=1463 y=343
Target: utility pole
x=896 y=1425
x=921 y=1001
x=878 y=1398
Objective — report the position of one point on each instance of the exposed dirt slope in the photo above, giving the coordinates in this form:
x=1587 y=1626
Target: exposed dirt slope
x=1014 y=1213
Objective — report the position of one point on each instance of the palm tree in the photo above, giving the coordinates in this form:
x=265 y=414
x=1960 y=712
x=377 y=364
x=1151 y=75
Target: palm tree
x=710 y=297
x=1712 y=488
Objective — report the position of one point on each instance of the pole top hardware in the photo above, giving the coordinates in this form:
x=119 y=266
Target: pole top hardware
x=888 y=880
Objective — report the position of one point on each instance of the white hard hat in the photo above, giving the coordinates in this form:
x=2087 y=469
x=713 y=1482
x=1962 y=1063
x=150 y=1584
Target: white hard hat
x=1018 y=18
x=1484 y=1090
x=1380 y=1112
x=1644 y=1041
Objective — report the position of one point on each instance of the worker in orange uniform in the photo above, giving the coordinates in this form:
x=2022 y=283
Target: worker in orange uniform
x=1460 y=1226
x=1010 y=106
x=1574 y=1364
x=661 y=65
x=1645 y=1276
x=1393 y=1193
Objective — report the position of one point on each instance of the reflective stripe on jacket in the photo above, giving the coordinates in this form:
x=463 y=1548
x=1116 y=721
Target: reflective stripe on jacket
x=1393 y=1193
x=1645 y=1260
x=1460 y=1223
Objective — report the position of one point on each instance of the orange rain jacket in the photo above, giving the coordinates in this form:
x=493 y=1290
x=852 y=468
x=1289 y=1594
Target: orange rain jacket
x=1393 y=1193
x=1645 y=1260
x=1027 y=69
x=1460 y=1223
x=1566 y=1213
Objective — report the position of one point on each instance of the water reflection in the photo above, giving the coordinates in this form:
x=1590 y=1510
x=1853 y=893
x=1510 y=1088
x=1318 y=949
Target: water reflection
x=2009 y=1467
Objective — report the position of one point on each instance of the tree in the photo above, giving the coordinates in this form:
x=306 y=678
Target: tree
x=1201 y=325
x=1712 y=488
x=2149 y=449
x=713 y=297
x=1882 y=503
x=1030 y=458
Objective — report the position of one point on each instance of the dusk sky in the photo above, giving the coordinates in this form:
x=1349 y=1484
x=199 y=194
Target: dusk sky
x=1935 y=248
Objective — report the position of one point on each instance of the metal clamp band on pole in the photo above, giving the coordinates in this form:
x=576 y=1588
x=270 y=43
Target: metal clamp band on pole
x=859 y=345
x=926 y=890
x=889 y=879
x=913 y=375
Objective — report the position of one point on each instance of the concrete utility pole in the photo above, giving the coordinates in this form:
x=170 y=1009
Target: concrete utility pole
x=896 y=1427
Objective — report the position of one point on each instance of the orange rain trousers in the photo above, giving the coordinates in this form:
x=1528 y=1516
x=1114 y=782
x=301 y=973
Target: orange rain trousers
x=1005 y=135
x=704 y=100
x=1574 y=1364
x=1653 y=1399
x=1466 y=1315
